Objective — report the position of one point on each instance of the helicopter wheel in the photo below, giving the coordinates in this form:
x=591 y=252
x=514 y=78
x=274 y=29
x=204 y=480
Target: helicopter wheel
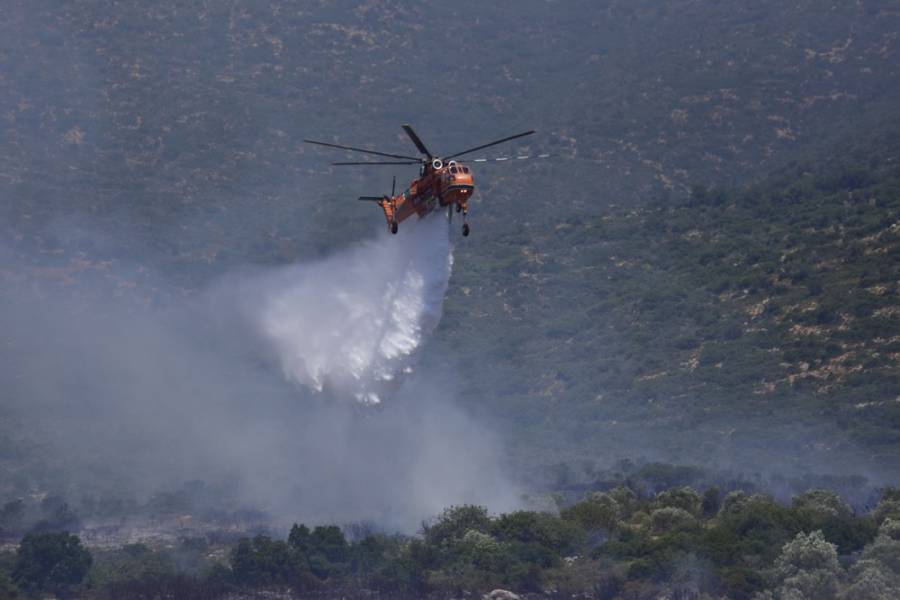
x=465 y=230
x=394 y=227
x=458 y=208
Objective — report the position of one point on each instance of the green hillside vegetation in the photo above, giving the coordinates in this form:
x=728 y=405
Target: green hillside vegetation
x=705 y=273
x=611 y=544
x=737 y=314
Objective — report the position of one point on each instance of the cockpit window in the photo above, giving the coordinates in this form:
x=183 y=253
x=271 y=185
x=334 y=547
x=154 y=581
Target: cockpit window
x=453 y=170
x=465 y=169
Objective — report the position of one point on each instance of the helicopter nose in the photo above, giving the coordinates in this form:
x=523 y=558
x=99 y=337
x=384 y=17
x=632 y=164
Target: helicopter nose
x=460 y=175
x=460 y=190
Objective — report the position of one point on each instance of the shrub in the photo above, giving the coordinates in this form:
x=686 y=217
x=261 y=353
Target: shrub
x=263 y=561
x=330 y=543
x=712 y=502
x=50 y=562
x=888 y=506
x=600 y=511
x=885 y=550
x=872 y=584
x=684 y=497
x=455 y=522
x=808 y=567
x=669 y=518
x=823 y=503
x=544 y=529
x=807 y=552
x=134 y=562
x=825 y=511
x=484 y=552
x=625 y=498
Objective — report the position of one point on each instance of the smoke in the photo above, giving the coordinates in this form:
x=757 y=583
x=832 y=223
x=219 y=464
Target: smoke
x=263 y=386
x=353 y=322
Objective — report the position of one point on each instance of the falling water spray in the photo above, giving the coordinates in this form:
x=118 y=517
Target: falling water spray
x=352 y=323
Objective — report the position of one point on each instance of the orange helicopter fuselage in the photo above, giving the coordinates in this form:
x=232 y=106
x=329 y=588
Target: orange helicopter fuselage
x=436 y=188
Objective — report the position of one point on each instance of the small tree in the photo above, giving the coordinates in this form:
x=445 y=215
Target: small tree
x=455 y=521
x=888 y=507
x=734 y=503
x=50 y=562
x=823 y=503
x=885 y=550
x=625 y=498
x=263 y=561
x=712 y=502
x=543 y=529
x=666 y=519
x=808 y=568
x=327 y=551
x=807 y=552
x=485 y=552
x=600 y=511
x=876 y=576
x=685 y=498
x=298 y=538
x=872 y=583
x=329 y=541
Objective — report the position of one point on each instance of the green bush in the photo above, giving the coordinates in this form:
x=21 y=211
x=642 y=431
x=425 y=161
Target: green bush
x=888 y=507
x=262 y=561
x=543 y=529
x=455 y=522
x=683 y=497
x=134 y=562
x=669 y=518
x=50 y=562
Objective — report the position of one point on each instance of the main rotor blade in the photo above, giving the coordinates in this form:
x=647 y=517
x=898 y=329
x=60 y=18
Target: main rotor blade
x=330 y=145
x=506 y=139
x=470 y=161
x=371 y=198
x=378 y=162
x=415 y=140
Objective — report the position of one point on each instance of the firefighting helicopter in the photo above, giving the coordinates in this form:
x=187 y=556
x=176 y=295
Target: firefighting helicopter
x=443 y=181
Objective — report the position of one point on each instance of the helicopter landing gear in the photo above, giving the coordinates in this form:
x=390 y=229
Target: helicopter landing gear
x=465 y=230
x=394 y=227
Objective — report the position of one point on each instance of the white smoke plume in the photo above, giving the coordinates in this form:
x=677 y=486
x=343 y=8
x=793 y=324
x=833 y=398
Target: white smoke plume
x=120 y=399
x=353 y=322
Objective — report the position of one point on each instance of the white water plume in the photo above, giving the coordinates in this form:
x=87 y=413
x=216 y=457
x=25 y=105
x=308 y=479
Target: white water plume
x=352 y=322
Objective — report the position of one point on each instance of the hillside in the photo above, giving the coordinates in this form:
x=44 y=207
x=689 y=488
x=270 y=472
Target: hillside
x=738 y=324
x=705 y=271
x=668 y=363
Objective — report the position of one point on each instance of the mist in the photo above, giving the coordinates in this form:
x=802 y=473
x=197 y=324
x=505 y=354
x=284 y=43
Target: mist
x=291 y=389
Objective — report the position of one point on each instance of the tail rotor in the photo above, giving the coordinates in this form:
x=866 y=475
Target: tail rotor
x=388 y=205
